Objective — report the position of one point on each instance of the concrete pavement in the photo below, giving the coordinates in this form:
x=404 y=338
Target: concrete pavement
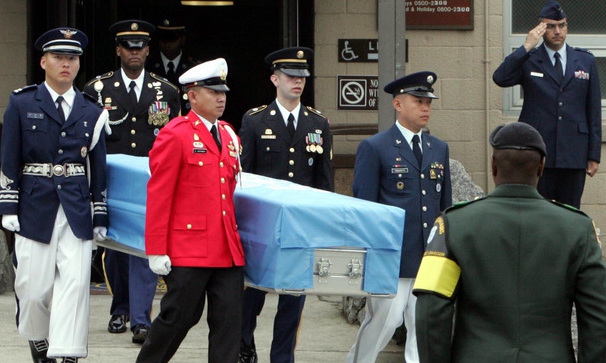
x=325 y=336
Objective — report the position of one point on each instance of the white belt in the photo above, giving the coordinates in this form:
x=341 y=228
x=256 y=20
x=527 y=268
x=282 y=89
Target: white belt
x=49 y=170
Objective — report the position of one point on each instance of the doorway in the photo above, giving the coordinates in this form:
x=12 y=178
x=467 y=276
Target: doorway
x=243 y=34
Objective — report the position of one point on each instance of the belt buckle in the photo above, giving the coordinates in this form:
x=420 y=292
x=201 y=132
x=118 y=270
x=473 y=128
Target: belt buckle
x=58 y=170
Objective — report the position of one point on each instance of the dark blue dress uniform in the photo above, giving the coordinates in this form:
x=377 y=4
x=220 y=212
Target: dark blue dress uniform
x=53 y=193
x=34 y=134
x=306 y=158
x=388 y=172
x=567 y=113
x=134 y=130
x=422 y=190
x=171 y=30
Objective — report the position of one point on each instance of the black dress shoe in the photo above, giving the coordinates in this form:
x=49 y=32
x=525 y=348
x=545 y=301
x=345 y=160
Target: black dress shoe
x=117 y=324
x=248 y=353
x=39 y=349
x=140 y=333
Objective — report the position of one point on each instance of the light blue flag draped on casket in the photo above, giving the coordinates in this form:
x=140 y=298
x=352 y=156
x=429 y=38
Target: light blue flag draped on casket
x=280 y=224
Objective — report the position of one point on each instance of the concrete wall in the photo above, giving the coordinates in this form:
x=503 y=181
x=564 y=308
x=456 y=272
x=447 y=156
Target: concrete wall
x=13 y=48
x=470 y=104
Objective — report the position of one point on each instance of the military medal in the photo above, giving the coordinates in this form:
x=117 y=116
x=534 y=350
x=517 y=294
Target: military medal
x=400 y=185
x=158 y=113
x=319 y=149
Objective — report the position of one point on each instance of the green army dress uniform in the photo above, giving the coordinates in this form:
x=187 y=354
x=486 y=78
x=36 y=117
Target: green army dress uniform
x=511 y=284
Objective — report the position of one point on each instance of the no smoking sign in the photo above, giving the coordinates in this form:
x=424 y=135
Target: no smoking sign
x=357 y=92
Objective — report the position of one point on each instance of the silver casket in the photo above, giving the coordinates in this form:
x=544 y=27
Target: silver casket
x=297 y=239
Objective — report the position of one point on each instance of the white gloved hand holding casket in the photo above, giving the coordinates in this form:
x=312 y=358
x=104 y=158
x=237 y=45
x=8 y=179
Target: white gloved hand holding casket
x=159 y=264
x=11 y=222
x=100 y=233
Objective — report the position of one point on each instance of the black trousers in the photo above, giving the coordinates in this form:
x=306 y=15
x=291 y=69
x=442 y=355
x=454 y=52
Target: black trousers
x=563 y=185
x=182 y=306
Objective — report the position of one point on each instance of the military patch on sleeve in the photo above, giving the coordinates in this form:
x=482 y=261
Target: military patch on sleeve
x=256 y=110
x=597 y=233
x=437 y=274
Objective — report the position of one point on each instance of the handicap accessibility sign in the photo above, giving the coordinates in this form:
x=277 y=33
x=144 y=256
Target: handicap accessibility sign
x=358 y=50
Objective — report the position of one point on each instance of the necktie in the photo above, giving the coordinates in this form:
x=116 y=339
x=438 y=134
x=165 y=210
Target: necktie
x=213 y=130
x=132 y=94
x=291 y=125
x=171 y=71
x=416 y=149
x=60 y=108
x=558 y=67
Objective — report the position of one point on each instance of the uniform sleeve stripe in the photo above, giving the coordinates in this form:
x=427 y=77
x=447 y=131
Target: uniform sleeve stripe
x=439 y=275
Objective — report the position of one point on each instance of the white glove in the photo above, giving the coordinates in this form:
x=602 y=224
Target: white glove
x=11 y=222
x=159 y=264
x=100 y=233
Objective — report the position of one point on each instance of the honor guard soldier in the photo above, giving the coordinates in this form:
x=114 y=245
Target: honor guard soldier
x=53 y=172
x=407 y=168
x=171 y=61
x=502 y=288
x=287 y=141
x=191 y=235
x=139 y=103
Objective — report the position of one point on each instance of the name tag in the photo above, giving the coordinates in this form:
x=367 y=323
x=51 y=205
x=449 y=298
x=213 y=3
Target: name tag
x=35 y=115
x=536 y=74
x=399 y=170
x=272 y=137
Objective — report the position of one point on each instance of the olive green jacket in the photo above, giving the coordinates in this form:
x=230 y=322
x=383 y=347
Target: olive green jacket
x=508 y=268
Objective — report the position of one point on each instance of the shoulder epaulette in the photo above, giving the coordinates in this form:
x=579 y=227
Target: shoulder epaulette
x=164 y=80
x=567 y=206
x=313 y=110
x=92 y=99
x=463 y=204
x=100 y=77
x=255 y=110
x=585 y=50
x=26 y=88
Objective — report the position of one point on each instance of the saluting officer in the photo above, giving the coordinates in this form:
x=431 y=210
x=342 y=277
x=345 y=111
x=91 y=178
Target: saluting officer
x=562 y=100
x=170 y=61
x=140 y=103
x=53 y=169
x=407 y=168
x=288 y=141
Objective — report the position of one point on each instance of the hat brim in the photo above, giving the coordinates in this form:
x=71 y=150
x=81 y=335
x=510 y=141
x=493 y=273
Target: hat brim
x=218 y=87
x=295 y=72
x=421 y=94
x=133 y=43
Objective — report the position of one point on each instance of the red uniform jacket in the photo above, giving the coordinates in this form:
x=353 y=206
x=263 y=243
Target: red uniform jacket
x=190 y=209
